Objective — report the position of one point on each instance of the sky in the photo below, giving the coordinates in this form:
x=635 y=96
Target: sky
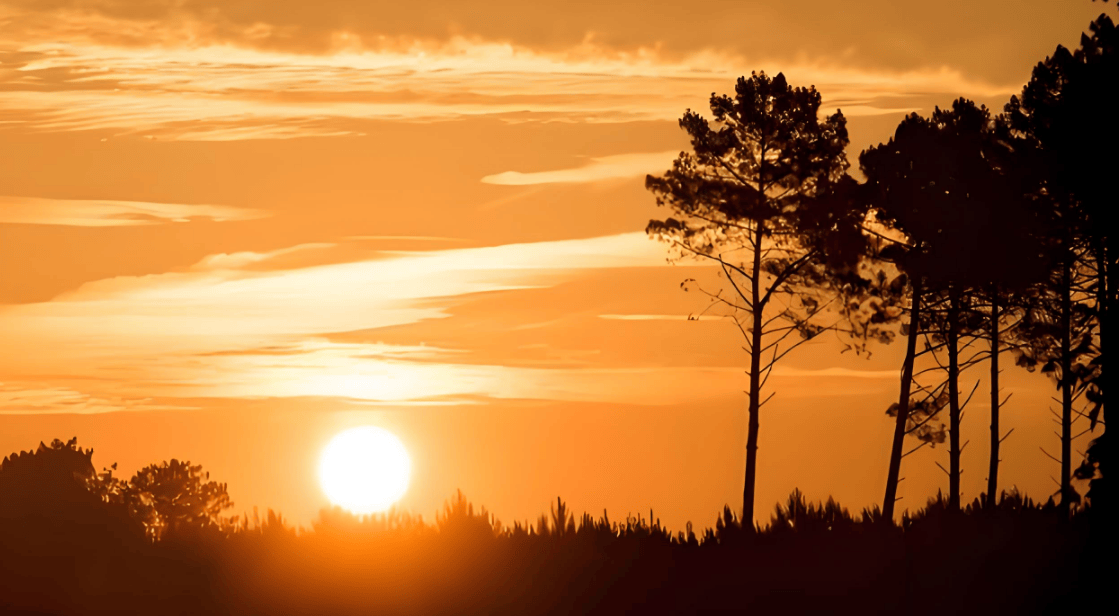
x=231 y=229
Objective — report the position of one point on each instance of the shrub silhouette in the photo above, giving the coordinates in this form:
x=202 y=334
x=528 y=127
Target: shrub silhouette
x=51 y=480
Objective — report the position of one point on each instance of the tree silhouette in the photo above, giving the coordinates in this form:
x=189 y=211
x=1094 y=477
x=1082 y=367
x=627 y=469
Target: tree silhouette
x=762 y=196
x=52 y=480
x=175 y=496
x=937 y=183
x=1066 y=112
x=1012 y=262
x=1061 y=117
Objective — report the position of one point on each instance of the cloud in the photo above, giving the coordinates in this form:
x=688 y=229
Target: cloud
x=222 y=92
x=214 y=329
x=662 y=317
x=975 y=36
x=98 y=213
x=244 y=260
x=604 y=168
x=30 y=397
x=833 y=372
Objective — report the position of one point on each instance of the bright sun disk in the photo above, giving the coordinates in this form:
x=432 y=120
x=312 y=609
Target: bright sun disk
x=365 y=469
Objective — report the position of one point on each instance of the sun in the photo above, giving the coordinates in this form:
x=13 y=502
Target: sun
x=365 y=469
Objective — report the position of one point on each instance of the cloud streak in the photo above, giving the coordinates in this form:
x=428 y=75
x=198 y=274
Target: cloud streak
x=876 y=35
x=197 y=331
x=105 y=213
x=597 y=169
x=221 y=92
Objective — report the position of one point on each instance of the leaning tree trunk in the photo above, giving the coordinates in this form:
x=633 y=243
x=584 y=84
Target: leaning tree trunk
x=1066 y=384
x=755 y=385
x=953 y=400
x=903 y=405
x=993 y=471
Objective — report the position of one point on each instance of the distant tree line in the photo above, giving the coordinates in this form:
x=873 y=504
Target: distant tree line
x=77 y=542
x=974 y=234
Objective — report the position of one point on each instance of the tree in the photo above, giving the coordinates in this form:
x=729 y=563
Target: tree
x=50 y=481
x=1012 y=261
x=1065 y=114
x=937 y=183
x=175 y=496
x=763 y=196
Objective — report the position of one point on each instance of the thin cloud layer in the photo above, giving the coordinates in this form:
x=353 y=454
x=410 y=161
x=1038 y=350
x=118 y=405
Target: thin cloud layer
x=99 y=213
x=604 y=168
x=985 y=38
x=214 y=329
x=220 y=93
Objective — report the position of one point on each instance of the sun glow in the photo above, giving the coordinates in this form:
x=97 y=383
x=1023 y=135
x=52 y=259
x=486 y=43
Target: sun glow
x=365 y=469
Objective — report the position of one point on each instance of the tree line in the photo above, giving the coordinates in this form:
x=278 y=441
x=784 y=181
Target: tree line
x=979 y=237
x=73 y=541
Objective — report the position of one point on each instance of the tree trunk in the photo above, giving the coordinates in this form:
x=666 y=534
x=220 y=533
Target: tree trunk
x=1066 y=391
x=993 y=471
x=1107 y=280
x=953 y=400
x=757 y=311
x=1105 y=289
x=903 y=404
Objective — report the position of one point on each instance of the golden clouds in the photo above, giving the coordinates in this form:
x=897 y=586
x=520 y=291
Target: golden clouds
x=877 y=35
x=215 y=88
x=223 y=329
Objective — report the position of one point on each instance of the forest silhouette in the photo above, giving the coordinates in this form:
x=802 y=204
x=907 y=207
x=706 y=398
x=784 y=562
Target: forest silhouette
x=80 y=542
x=978 y=239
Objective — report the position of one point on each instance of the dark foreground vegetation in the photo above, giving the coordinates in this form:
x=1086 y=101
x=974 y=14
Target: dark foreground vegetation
x=77 y=542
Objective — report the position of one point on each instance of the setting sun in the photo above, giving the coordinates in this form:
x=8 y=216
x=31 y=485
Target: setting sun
x=365 y=469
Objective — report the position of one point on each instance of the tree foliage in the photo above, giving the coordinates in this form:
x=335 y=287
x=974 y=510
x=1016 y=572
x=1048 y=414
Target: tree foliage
x=175 y=496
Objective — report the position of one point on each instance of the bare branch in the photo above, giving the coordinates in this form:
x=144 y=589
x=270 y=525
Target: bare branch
x=1047 y=454
x=712 y=257
x=734 y=284
x=964 y=405
x=914 y=449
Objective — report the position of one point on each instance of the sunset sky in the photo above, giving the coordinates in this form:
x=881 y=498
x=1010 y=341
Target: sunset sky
x=231 y=229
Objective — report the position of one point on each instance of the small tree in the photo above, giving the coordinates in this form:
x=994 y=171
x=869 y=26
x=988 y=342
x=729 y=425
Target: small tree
x=175 y=496
x=763 y=195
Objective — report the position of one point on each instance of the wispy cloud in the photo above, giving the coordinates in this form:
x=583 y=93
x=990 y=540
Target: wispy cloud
x=662 y=317
x=32 y=397
x=104 y=213
x=856 y=34
x=200 y=331
x=597 y=169
x=219 y=92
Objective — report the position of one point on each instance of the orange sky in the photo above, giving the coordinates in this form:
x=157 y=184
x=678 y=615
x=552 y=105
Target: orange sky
x=229 y=229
